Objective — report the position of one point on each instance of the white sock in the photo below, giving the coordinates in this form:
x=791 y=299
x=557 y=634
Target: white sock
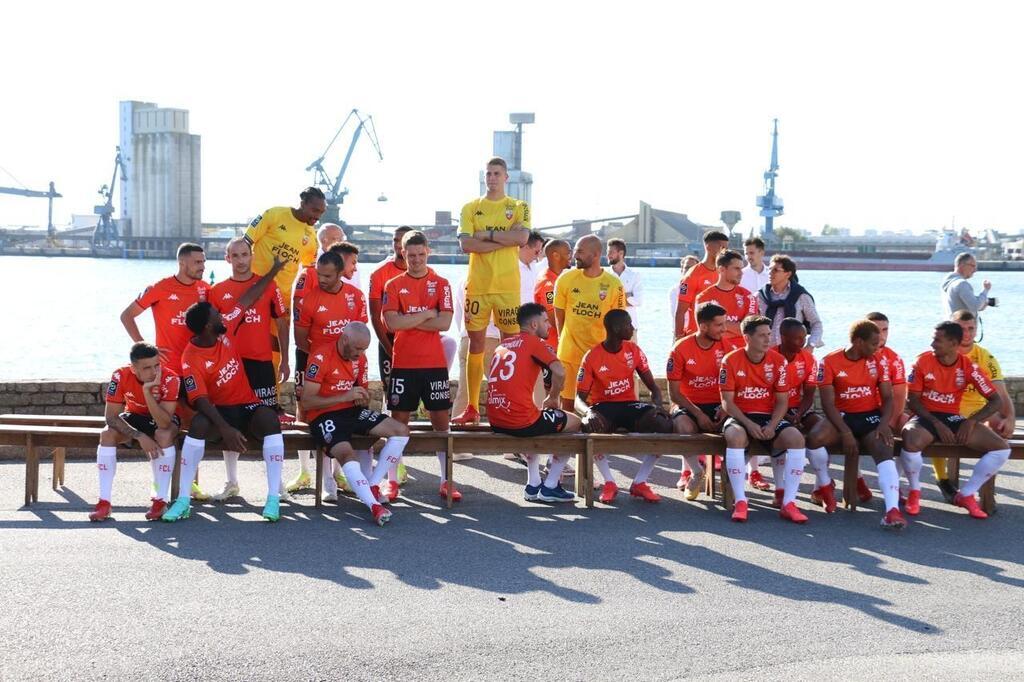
x=795 y=461
x=912 y=468
x=192 y=451
x=818 y=458
x=365 y=458
x=442 y=461
x=360 y=486
x=735 y=466
x=231 y=466
x=304 y=461
x=602 y=465
x=693 y=462
x=153 y=469
x=393 y=473
x=889 y=482
x=646 y=467
x=106 y=465
x=985 y=469
x=273 y=455
x=555 y=468
x=532 y=470
x=390 y=455
x=329 y=484
x=164 y=468
x=779 y=471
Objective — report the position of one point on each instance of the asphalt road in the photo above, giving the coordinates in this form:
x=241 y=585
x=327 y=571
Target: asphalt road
x=501 y=588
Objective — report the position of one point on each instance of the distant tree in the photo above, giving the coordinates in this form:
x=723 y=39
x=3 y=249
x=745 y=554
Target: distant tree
x=789 y=234
x=829 y=230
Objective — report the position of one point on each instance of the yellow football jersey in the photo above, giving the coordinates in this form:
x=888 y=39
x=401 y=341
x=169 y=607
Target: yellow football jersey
x=278 y=233
x=585 y=301
x=973 y=401
x=496 y=272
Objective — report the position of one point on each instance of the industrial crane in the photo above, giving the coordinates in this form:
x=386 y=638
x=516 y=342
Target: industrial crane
x=771 y=205
x=106 y=231
x=332 y=189
x=50 y=194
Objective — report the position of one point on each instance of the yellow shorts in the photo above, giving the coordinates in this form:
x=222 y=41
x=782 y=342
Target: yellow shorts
x=571 y=371
x=503 y=307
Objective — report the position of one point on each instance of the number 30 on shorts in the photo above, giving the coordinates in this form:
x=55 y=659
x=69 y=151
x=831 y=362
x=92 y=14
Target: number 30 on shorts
x=507 y=363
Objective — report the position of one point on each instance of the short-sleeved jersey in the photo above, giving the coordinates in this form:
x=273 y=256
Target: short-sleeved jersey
x=585 y=300
x=169 y=299
x=253 y=337
x=737 y=302
x=279 y=233
x=801 y=371
x=384 y=273
x=496 y=272
x=942 y=387
x=306 y=282
x=696 y=280
x=893 y=365
x=325 y=314
x=336 y=376
x=405 y=294
x=696 y=368
x=973 y=401
x=512 y=378
x=544 y=294
x=126 y=389
x=216 y=373
x=855 y=382
x=754 y=385
x=606 y=377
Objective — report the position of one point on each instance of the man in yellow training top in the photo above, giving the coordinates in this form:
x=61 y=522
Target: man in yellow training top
x=583 y=296
x=491 y=231
x=288 y=234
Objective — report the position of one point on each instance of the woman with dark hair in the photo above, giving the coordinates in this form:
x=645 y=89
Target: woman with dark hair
x=784 y=297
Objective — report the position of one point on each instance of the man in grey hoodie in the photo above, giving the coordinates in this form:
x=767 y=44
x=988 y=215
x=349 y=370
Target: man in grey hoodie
x=957 y=293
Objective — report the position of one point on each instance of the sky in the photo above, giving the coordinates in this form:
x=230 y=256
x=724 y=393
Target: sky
x=892 y=115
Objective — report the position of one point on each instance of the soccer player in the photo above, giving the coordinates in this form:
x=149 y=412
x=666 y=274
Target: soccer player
x=630 y=278
x=417 y=307
x=692 y=374
x=606 y=393
x=801 y=369
x=140 y=403
x=1003 y=422
x=491 y=230
x=252 y=339
x=938 y=382
x=755 y=395
x=556 y=252
x=226 y=406
x=510 y=405
x=336 y=401
x=583 y=296
x=856 y=396
x=388 y=269
x=697 y=279
x=727 y=293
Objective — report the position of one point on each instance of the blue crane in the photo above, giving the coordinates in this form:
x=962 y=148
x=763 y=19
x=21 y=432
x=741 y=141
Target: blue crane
x=106 y=230
x=771 y=205
x=332 y=189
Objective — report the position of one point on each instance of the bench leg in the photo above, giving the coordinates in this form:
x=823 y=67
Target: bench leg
x=318 y=486
x=728 y=499
x=987 y=493
x=851 y=469
x=58 y=468
x=709 y=479
x=176 y=474
x=31 y=465
x=449 y=470
x=587 y=467
x=953 y=471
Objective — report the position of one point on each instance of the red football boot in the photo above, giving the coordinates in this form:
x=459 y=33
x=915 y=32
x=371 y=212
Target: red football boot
x=643 y=491
x=779 y=492
x=791 y=513
x=970 y=504
x=739 y=512
x=826 y=497
x=471 y=416
x=381 y=515
x=608 y=492
x=863 y=492
x=894 y=520
x=913 y=504
x=156 y=510
x=391 y=490
x=757 y=481
x=684 y=479
x=101 y=511
x=456 y=495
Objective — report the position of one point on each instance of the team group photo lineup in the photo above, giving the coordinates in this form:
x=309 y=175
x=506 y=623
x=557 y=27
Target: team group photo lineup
x=549 y=350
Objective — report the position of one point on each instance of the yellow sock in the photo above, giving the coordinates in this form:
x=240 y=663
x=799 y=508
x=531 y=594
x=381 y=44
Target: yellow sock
x=939 y=464
x=474 y=375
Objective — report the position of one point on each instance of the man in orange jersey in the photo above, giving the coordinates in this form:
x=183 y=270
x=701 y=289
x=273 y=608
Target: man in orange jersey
x=692 y=374
x=336 y=401
x=417 y=308
x=606 y=393
x=388 y=269
x=253 y=340
x=226 y=406
x=140 y=403
x=556 y=252
x=938 y=382
x=727 y=293
x=755 y=396
x=697 y=279
x=856 y=396
x=510 y=405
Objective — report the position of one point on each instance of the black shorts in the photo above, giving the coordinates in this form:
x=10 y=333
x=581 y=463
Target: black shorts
x=263 y=380
x=384 y=365
x=339 y=426
x=624 y=415
x=239 y=416
x=301 y=358
x=760 y=420
x=144 y=423
x=953 y=421
x=709 y=410
x=410 y=386
x=549 y=422
x=862 y=423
